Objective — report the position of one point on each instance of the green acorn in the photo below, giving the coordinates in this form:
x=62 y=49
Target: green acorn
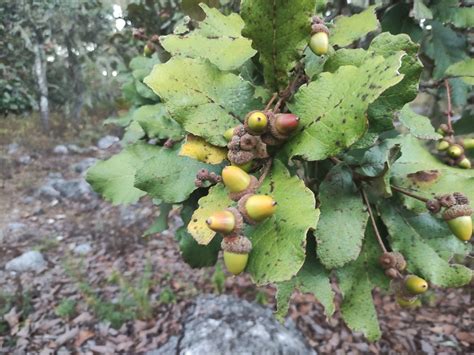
x=225 y=222
x=468 y=143
x=236 y=253
x=464 y=163
x=256 y=122
x=442 y=145
x=319 y=43
x=228 y=134
x=455 y=151
x=255 y=208
x=407 y=302
x=459 y=221
x=415 y=285
x=148 y=50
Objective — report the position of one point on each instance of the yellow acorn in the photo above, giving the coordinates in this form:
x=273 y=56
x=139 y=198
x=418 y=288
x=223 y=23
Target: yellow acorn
x=235 y=179
x=465 y=163
x=236 y=253
x=459 y=221
x=455 y=151
x=225 y=222
x=319 y=43
x=415 y=285
x=256 y=122
x=256 y=208
x=442 y=145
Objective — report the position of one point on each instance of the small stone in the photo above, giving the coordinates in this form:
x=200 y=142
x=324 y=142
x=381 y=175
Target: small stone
x=73 y=148
x=48 y=192
x=25 y=160
x=15 y=232
x=13 y=148
x=82 y=249
x=83 y=165
x=107 y=141
x=29 y=261
x=60 y=150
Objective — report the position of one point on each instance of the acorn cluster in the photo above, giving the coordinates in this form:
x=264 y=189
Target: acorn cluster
x=457 y=213
x=407 y=287
x=453 y=148
x=247 y=146
x=204 y=176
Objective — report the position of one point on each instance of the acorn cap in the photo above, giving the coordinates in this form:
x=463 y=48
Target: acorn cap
x=319 y=27
x=238 y=244
x=275 y=132
x=392 y=273
x=269 y=139
x=457 y=211
x=433 y=206
x=248 y=142
x=447 y=200
x=236 y=196
x=460 y=198
x=240 y=157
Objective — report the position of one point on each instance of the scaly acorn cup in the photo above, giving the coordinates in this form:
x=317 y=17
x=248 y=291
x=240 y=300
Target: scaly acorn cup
x=391 y=260
x=455 y=151
x=256 y=122
x=459 y=221
x=442 y=145
x=407 y=302
x=464 y=163
x=255 y=208
x=236 y=253
x=225 y=222
x=415 y=285
x=238 y=182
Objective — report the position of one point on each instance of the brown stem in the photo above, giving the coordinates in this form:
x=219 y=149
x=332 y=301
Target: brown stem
x=335 y=160
x=450 y=109
x=300 y=79
x=372 y=220
x=274 y=96
x=265 y=171
x=408 y=193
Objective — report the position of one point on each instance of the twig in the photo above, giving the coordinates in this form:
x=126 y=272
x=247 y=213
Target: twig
x=335 y=160
x=265 y=171
x=300 y=79
x=274 y=96
x=372 y=219
x=450 y=109
x=408 y=193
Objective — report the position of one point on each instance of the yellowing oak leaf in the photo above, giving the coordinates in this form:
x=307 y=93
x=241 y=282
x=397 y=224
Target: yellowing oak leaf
x=197 y=148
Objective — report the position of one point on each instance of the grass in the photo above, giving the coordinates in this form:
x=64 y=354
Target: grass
x=66 y=308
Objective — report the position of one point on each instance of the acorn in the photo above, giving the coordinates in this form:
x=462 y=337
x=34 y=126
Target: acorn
x=407 y=302
x=468 y=143
x=148 y=49
x=235 y=179
x=443 y=129
x=464 y=163
x=442 y=145
x=415 y=285
x=225 y=222
x=256 y=122
x=245 y=167
x=236 y=253
x=459 y=221
x=228 y=134
x=319 y=43
x=455 y=151
x=255 y=208
x=286 y=123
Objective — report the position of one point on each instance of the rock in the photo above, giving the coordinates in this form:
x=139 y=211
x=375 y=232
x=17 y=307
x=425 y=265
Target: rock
x=48 y=192
x=82 y=249
x=15 y=232
x=73 y=148
x=13 y=148
x=107 y=141
x=83 y=165
x=74 y=189
x=227 y=325
x=25 y=159
x=29 y=261
x=60 y=150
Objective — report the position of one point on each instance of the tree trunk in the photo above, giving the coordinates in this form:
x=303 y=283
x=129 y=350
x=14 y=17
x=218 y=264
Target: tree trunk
x=40 y=72
x=75 y=73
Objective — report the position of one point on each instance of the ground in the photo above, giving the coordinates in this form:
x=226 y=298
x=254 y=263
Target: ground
x=106 y=288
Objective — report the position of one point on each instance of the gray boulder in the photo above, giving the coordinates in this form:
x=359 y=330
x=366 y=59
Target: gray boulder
x=226 y=325
x=73 y=189
x=107 y=141
x=29 y=261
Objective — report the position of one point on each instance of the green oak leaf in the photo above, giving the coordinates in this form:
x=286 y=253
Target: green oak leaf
x=156 y=122
x=204 y=100
x=421 y=11
x=345 y=56
x=217 y=38
x=381 y=111
x=446 y=47
x=161 y=222
x=396 y=19
x=451 y=11
x=422 y=259
x=133 y=133
x=356 y=281
x=333 y=109
x=194 y=254
x=343 y=219
x=418 y=125
x=348 y=29
x=114 y=178
x=418 y=170
x=312 y=278
x=279 y=30
x=168 y=176
x=278 y=243
x=464 y=70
